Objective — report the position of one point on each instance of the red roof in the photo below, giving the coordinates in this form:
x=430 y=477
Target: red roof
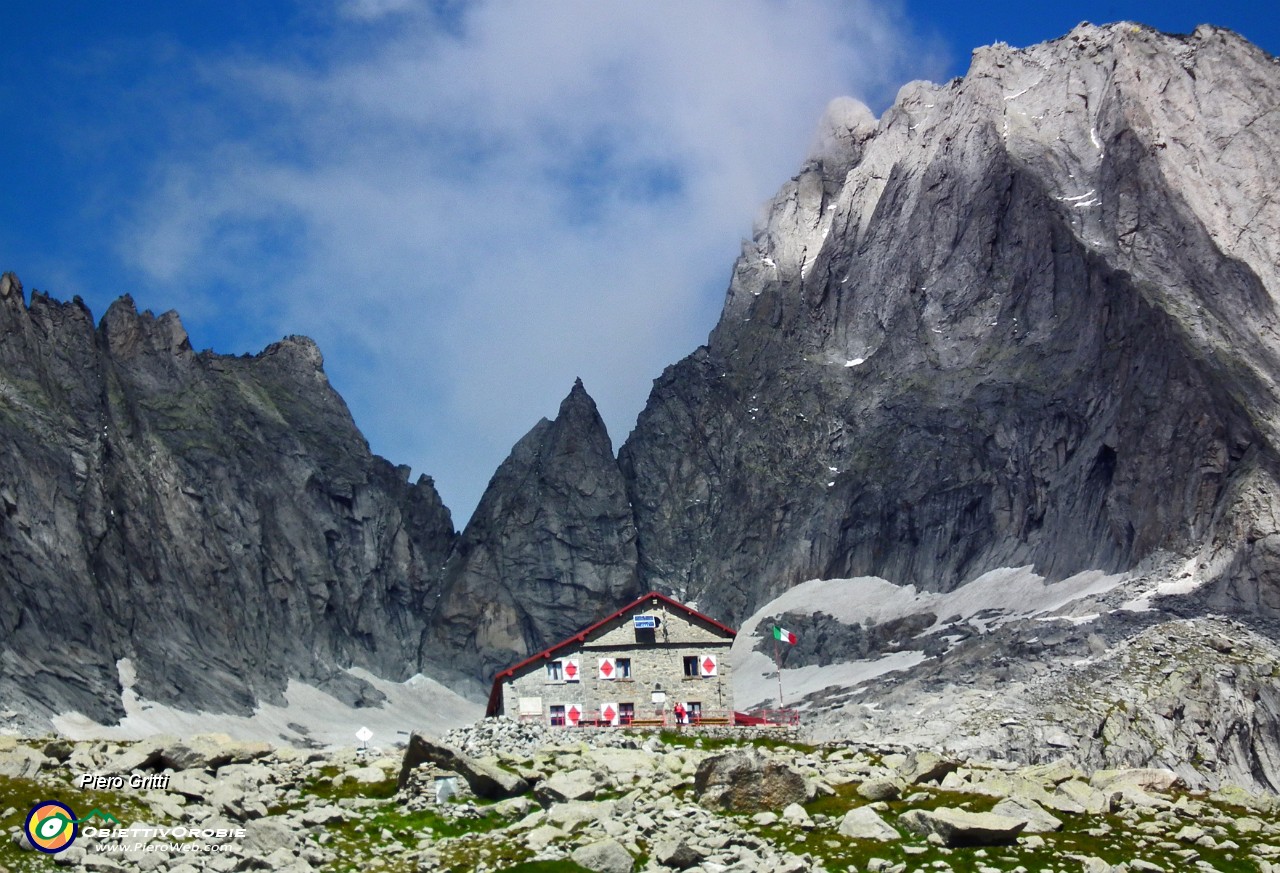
x=495 y=695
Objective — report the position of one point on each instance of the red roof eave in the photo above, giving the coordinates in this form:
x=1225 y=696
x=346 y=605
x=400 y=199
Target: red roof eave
x=495 y=695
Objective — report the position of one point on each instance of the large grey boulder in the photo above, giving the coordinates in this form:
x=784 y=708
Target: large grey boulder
x=923 y=766
x=567 y=785
x=1146 y=779
x=605 y=856
x=485 y=780
x=864 y=823
x=958 y=827
x=20 y=762
x=880 y=789
x=1038 y=819
x=678 y=854
x=266 y=835
x=745 y=781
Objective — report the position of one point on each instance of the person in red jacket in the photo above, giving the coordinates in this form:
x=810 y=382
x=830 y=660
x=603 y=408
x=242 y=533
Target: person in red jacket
x=679 y=711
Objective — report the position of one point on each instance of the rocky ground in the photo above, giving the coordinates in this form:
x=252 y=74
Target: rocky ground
x=531 y=799
x=1115 y=675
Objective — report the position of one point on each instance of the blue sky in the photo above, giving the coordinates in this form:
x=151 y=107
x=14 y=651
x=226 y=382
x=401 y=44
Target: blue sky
x=466 y=204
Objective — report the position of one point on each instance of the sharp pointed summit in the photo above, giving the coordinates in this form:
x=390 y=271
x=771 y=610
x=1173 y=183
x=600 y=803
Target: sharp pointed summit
x=551 y=541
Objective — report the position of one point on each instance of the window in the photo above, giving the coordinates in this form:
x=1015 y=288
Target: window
x=623 y=666
x=557 y=714
x=555 y=673
x=691 y=667
x=626 y=713
x=693 y=711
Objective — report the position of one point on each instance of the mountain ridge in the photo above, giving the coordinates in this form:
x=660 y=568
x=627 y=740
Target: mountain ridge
x=935 y=289
x=1026 y=318
x=217 y=520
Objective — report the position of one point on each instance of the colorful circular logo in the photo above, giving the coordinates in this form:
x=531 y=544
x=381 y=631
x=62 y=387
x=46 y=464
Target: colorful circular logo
x=51 y=826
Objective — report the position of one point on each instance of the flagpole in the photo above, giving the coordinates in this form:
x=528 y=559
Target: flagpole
x=777 y=662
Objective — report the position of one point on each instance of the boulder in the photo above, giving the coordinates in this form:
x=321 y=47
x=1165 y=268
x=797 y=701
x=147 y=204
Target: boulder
x=569 y=816
x=266 y=835
x=1146 y=779
x=956 y=827
x=21 y=762
x=1053 y=773
x=795 y=816
x=365 y=775
x=743 y=781
x=542 y=836
x=1082 y=794
x=921 y=767
x=1038 y=820
x=864 y=823
x=606 y=856
x=567 y=785
x=676 y=854
x=484 y=779
x=880 y=789
x=324 y=815
x=191 y=784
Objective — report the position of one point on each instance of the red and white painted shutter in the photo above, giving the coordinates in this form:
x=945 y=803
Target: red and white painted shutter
x=572 y=670
x=608 y=668
x=609 y=713
x=572 y=714
x=708 y=665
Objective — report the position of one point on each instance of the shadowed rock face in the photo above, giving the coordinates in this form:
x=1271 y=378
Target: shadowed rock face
x=1027 y=319
x=218 y=520
x=550 y=548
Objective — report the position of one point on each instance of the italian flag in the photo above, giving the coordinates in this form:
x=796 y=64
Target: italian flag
x=785 y=635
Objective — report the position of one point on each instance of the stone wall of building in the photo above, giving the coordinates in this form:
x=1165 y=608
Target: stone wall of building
x=656 y=666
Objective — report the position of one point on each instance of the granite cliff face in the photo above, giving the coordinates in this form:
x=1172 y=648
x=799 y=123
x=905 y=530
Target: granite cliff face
x=551 y=547
x=217 y=520
x=1026 y=318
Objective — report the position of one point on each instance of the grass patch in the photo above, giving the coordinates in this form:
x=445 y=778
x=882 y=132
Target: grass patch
x=397 y=832
x=693 y=740
x=322 y=785
x=22 y=794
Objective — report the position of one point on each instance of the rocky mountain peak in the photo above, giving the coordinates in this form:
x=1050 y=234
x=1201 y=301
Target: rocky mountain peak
x=1028 y=320
x=10 y=286
x=551 y=543
x=301 y=350
x=128 y=332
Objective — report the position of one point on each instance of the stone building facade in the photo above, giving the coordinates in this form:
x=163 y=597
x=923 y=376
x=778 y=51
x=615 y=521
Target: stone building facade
x=639 y=666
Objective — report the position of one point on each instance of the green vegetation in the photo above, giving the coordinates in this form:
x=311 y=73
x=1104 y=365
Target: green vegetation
x=397 y=832
x=1112 y=838
x=22 y=794
x=692 y=740
x=322 y=785
x=382 y=834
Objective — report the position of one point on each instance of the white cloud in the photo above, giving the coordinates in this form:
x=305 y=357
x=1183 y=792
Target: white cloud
x=369 y=10
x=466 y=217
